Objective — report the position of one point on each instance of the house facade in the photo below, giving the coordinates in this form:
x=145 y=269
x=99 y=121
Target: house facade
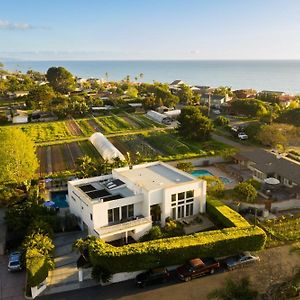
x=123 y=204
x=264 y=164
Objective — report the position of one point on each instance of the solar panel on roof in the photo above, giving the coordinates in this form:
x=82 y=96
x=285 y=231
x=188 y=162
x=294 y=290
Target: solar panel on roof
x=114 y=197
x=98 y=194
x=87 y=188
x=114 y=183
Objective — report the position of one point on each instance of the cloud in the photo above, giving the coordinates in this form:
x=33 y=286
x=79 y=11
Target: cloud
x=6 y=25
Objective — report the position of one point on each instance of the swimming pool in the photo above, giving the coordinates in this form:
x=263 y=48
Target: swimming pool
x=59 y=198
x=199 y=173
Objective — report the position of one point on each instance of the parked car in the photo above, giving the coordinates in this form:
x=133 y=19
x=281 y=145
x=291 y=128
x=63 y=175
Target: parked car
x=14 y=261
x=216 y=111
x=197 y=267
x=240 y=260
x=152 y=276
x=242 y=136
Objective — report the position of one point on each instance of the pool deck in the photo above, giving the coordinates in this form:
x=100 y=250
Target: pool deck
x=218 y=172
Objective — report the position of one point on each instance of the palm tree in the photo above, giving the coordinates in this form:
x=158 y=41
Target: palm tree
x=235 y=290
x=106 y=76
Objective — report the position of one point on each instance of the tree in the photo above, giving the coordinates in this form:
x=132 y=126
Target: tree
x=223 y=91
x=187 y=96
x=86 y=166
x=239 y=290
x=132 y=92
x=278 y=134
x=77 y=105
x=221 y=121
x=40 y=97
x=60 y=79
x=18 y=161
x=185 y=166
x=245 y=192
x=193 y=125
x=249 y=107
x=215 y=186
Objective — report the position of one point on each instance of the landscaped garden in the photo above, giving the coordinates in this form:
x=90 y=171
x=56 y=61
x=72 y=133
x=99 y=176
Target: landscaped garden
x=281 y=230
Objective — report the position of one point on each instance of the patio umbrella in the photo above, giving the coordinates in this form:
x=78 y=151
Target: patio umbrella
x=272 y=181
x=49 y=204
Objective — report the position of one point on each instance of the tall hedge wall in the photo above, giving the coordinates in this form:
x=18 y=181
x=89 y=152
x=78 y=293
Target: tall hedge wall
x=224 y=215
x=240 y=236
x=176 y=250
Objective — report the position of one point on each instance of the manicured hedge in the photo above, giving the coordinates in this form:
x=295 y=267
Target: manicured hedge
x=37 y=267
x=224 y=215
x=239 y=237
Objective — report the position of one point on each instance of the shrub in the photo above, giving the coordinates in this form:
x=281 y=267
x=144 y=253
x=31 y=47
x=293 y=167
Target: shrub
x=224 y=215
x=215 y=186
x=221 y=121
x=246 y=192
x=256 y=184
x=100 y=274
x=185 y=166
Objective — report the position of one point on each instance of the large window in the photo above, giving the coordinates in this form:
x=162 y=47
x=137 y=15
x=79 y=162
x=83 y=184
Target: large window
x=127 y=212
x=113 y=215
x=189 y=209
x=182 y=204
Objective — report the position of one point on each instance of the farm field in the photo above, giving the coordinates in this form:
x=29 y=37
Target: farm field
x=50 y=132
x=62 y=157
x=165 y=146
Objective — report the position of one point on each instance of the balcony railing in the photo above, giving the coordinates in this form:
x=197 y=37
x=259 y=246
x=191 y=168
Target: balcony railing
x=124 y=226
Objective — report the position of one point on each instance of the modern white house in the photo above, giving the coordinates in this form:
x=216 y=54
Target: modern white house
x=122 y=204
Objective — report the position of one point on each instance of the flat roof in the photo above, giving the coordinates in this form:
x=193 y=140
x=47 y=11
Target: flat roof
x=155 y=175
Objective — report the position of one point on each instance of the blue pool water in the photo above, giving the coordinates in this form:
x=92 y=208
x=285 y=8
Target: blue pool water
x=59 y=198
x=198 y=173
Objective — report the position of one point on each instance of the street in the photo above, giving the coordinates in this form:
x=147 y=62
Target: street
x=275 y=265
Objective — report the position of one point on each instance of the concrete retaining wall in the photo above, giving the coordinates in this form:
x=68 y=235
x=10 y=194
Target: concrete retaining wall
x=201 y=161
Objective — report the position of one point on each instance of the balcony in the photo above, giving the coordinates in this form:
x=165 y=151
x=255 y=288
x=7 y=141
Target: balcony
x=124 y=226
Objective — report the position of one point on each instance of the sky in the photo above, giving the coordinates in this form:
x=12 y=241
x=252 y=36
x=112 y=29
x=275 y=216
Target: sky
x=149 y=29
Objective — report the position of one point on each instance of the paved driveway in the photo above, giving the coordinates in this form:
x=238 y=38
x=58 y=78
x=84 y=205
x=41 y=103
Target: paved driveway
x=11 y=284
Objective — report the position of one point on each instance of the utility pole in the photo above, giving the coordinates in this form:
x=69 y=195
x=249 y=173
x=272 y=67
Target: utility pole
x=209 y=100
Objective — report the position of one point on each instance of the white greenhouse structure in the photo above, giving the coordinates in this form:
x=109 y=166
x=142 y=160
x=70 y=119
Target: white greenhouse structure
x=158 y=117
x=106 y=149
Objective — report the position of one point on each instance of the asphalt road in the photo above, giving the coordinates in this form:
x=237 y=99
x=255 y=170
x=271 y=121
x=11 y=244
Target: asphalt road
x=275 y=265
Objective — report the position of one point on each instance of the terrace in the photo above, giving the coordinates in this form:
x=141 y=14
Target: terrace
x=124 y=226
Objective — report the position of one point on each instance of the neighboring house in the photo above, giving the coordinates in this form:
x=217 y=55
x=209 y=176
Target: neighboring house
x=18 y=117
x=17 y=94
x=177 y=82
x=124 y=203
x=215 y=100
x=273 y=93
x=245 y=93
x=285 y=100
x=264 y=164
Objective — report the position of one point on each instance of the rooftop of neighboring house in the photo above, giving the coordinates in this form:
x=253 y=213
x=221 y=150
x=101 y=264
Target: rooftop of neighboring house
x=277 y=93
x=269 y=162
x=176 y=82
x=213 y=97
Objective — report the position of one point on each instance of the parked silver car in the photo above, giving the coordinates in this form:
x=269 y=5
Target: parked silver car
x=240 y=260
x=14 y=261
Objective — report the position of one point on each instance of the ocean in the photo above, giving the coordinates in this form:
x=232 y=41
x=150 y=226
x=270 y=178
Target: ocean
x=280 y=75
